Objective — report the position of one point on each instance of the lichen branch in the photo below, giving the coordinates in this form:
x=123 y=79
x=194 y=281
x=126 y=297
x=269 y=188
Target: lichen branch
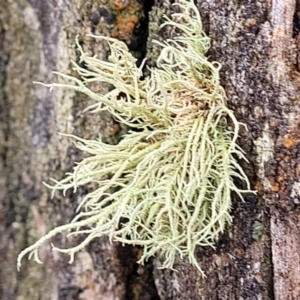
x=172 y=182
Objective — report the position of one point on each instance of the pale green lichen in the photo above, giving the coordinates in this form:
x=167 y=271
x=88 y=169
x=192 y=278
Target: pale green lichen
x=172 y=181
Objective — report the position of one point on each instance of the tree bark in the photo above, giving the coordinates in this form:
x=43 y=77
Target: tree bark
x=257 y=43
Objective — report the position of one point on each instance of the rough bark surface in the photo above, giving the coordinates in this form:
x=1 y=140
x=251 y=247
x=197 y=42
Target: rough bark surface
x=257 y=42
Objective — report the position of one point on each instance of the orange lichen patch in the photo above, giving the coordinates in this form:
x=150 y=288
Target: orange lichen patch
x=128 y=14
x=275 y=187
x=288 y=141
x=250 y=22
x=120 y=4
x=125 y=26
x=298 y=169
x=259 y=187
x=280 y=179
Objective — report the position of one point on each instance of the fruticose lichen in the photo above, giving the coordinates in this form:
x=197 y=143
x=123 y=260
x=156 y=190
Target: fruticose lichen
x=172 y=180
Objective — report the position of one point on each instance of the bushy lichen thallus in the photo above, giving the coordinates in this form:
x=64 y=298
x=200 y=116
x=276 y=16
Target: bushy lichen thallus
x=173 y=179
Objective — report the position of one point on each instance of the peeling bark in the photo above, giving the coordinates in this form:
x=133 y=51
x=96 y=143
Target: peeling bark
x=257 y=42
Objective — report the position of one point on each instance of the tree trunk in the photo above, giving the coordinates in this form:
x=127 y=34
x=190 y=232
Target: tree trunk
x=257 y=43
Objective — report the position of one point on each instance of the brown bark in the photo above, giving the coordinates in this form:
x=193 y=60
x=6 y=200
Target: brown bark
x=258 y=257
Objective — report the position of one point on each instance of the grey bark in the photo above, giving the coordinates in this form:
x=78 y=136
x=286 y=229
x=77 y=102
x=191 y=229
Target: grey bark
x=258 y=257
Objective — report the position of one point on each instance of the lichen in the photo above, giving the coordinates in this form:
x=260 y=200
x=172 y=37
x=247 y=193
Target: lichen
x=167 y=186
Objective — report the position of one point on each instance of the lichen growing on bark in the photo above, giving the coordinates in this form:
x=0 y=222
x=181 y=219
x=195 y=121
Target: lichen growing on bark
x=172 y=179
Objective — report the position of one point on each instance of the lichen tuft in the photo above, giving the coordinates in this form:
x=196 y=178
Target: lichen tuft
x=172 y=180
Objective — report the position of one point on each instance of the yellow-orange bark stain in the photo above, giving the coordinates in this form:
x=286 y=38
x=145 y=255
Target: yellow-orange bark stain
x=259 y=187
x=121 y=4
x=289 y=141
x=128 y=14
x=280 y=179
x=275 y=187
x=250 y=22
x=125 y=26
